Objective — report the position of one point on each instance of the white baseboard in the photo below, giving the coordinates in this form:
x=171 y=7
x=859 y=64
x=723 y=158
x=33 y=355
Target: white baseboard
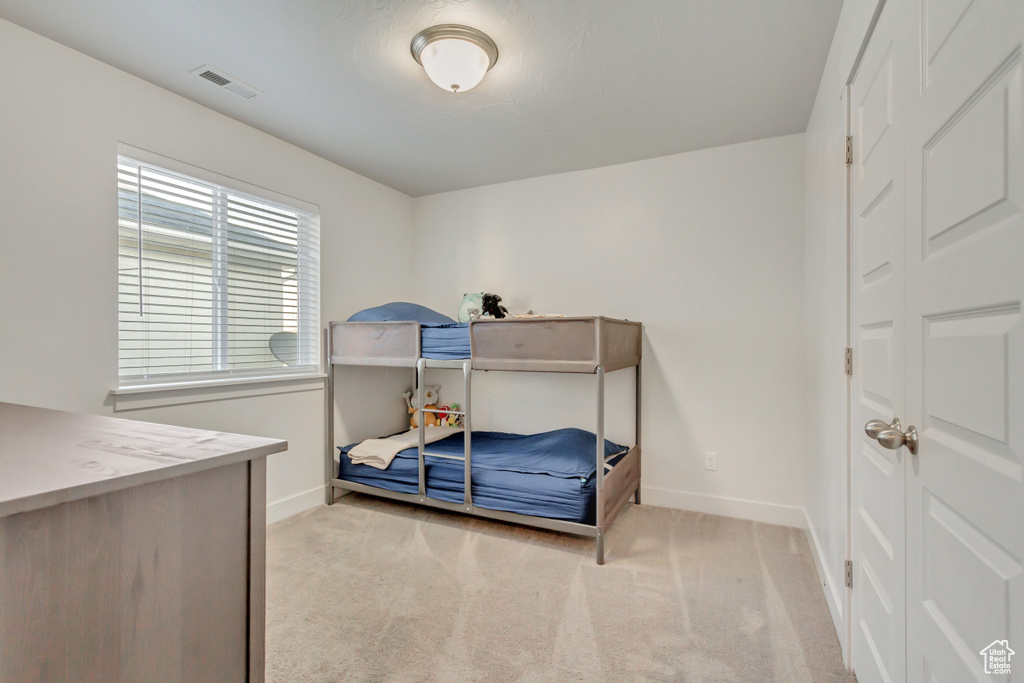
x=835 y=591
x=769 y=513
x=293 y=505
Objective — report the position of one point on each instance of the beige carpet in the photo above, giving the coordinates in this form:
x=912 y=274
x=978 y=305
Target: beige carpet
x=371 y=590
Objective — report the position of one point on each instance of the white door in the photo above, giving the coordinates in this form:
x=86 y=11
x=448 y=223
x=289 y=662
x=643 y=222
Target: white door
x=878 y=330
x=965 y=338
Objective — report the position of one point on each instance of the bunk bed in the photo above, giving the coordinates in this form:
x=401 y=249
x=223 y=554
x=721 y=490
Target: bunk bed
x=568 y=480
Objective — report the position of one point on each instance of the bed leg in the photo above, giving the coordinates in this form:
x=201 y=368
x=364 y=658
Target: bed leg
x=600 y=546
x=330 y=494
x=636 y=494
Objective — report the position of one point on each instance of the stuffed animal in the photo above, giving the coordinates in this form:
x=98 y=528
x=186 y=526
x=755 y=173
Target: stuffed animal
x=481 y=306
x=492 y=306
x=471 y=308
x=429 y=417
x=430 y=393
x=448 y=418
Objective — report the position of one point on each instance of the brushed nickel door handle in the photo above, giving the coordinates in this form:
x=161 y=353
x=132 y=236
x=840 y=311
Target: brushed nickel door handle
x=893 y=439
x=875 y=427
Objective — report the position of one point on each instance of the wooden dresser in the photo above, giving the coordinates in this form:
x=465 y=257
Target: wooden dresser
x=129 y=551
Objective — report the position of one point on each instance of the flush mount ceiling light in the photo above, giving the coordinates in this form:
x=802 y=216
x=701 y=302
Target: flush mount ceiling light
x=455 y=57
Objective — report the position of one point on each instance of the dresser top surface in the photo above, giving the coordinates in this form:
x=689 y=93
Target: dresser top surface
x=49 y=457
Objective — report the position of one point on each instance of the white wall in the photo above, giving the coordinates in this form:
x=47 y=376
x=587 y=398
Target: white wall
x=706 y=249
x=825 y=306
x=61 y=117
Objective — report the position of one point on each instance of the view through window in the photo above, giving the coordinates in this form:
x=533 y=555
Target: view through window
x=212 y=282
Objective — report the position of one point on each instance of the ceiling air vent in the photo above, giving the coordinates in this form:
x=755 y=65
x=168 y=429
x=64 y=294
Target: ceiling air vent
x=221 y=79
x=214 y=77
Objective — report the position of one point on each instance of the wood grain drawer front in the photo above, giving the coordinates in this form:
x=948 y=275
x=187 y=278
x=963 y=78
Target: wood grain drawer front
x=144 y=584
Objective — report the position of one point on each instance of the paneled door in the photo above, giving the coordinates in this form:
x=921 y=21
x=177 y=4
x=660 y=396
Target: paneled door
x=965 y=339
x=877 y=475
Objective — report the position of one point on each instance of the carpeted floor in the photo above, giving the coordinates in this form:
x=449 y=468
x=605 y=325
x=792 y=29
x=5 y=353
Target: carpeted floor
x=371 y=590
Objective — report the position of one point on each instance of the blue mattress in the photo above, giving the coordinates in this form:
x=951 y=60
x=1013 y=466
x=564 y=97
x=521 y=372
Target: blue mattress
x=542 y=475
x=449 y=341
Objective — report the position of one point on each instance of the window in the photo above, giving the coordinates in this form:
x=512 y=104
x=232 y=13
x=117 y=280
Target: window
x=213 y=282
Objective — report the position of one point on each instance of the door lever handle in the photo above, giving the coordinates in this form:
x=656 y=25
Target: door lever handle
x=875 y=427
x=893 y=439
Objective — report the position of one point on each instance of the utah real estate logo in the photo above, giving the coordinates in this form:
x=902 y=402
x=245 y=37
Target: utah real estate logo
x=997 y=657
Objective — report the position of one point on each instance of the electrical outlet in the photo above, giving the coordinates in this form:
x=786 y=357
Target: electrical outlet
x=710 y=461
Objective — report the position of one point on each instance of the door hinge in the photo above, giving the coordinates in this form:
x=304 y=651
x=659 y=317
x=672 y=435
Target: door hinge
x=849 y=573
x=849 y=149
x=849 y=361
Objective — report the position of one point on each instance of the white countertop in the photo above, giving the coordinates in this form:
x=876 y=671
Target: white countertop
x=50 y=456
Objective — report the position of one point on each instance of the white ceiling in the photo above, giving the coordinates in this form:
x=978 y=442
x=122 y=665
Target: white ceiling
x=578 y=83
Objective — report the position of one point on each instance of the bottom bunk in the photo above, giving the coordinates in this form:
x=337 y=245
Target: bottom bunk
x=548 y=479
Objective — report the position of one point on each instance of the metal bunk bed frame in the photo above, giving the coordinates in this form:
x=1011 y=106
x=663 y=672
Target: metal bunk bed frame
x=613 y=488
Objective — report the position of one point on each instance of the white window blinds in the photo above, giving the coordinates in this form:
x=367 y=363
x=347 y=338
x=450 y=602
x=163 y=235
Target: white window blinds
x=212 y=282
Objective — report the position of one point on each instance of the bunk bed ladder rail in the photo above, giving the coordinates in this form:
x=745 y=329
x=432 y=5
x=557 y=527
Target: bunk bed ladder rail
x=421 y=369
x=599 y=537
x=467 y=433
x=466 y=412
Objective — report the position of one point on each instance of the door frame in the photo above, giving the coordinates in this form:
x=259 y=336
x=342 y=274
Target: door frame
x=847 y=637
x=847 y=644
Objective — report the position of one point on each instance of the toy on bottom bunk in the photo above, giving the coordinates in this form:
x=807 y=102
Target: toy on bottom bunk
x=449 y=418
x=430 y=408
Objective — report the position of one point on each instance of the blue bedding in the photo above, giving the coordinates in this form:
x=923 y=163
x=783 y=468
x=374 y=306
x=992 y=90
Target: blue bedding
x=445 y=342
x=401 y=310
x=543 y=475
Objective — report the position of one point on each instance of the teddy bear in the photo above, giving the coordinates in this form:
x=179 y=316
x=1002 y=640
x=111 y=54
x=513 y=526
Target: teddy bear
x=492 y=306
x=430 y=409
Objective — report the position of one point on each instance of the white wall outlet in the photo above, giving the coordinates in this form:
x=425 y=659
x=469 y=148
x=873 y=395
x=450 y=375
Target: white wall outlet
x=710 y=461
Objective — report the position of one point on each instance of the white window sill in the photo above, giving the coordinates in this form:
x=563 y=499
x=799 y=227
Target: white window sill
x=222 y=381
x=176 y=393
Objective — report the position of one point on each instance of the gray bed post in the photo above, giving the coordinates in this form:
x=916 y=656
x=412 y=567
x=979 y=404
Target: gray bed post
x=600 y=465
x=636 y=408
x=421 y=423
x=329 y=400
x=467 y=374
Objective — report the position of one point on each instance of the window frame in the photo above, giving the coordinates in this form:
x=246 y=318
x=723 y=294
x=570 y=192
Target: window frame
x=307 y=304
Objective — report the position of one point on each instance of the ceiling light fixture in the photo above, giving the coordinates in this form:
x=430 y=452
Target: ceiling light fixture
x=455 y=57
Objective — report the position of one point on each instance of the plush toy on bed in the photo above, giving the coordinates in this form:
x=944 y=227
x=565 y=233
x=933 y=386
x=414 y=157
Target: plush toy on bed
x=470 y=309
x=412 y=402
x=481 y=305
x=492 y=306
x=450 y=419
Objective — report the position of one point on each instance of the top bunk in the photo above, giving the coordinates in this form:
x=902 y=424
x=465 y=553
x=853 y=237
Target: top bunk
x=564 y=344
